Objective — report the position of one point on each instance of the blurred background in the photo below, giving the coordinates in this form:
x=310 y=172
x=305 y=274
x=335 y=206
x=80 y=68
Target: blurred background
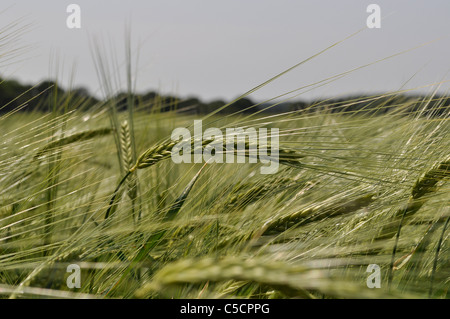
x=220 y=49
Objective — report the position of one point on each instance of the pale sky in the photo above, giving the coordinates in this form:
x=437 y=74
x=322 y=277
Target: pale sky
x=220 y=49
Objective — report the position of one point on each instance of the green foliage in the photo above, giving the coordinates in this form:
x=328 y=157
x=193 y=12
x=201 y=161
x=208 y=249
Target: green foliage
x=337 y=213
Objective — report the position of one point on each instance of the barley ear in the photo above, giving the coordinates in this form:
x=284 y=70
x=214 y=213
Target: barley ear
x=127 y=158
x=82 y=136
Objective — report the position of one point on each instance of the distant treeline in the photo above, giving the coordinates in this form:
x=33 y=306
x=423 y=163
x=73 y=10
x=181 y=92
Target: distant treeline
x=48 y=96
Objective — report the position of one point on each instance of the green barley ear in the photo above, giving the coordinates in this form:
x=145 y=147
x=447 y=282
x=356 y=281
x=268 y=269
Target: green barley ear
x=423 y=187
x=130 y=176
x=127 y=158
x=293 y=280
x=163 y=151
x=300 y=218
x=78 y=137
x=243 y=195
x=195 y=271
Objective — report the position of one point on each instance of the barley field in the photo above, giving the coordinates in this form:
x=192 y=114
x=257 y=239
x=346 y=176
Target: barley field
x=358 y=208
x=356 y=190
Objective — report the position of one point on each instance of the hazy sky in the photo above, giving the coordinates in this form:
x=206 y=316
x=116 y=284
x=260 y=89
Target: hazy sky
x=220 y=49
